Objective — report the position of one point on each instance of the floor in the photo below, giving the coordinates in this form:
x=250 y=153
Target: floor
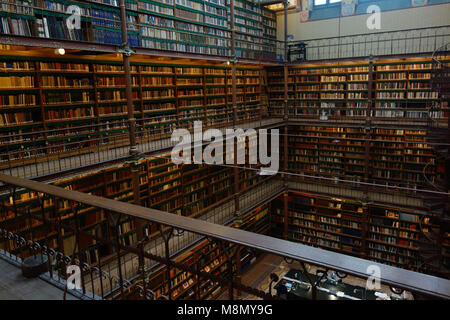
x=14 y=286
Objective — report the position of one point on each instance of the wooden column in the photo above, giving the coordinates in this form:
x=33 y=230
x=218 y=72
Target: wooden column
x=127 y=75
x=365 y=221
x=286 y=118
x=238 y=271
x=365 y=230
x=134 y=165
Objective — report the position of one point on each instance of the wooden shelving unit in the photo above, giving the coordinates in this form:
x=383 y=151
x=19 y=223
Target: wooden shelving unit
x=178 y=189
x=340 y=91
x=393 y=234
x=400 y=156
x=191 y=26
x=207 y=256
x=82 y=100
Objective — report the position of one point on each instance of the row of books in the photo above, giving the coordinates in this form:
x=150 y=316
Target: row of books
x=56 y=27
x=54 y=5
x=17 y=81
x=57 y=81
x=66 y=97
x=116 y=81
x=14 y=100
x=112 y=110
x=17 y=65
x=16 y=118
x=394 y=67
x=17 y=6
x=64 y=66
x=16 y=26
x=353 y=69
x=70 y=113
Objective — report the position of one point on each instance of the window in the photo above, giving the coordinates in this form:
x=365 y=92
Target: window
x=325 y=2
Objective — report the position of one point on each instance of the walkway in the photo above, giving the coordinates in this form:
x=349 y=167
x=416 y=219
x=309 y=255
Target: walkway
x=14 y=286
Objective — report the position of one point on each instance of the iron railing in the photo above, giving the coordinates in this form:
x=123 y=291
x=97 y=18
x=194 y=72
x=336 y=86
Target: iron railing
x=228 y=241
x=97 y=144
x=399 y=42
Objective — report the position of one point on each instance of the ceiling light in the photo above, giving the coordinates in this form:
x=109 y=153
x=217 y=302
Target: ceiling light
x=60 y=51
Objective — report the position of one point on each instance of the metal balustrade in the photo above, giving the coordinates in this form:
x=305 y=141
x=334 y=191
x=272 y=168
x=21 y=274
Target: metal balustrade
x=398 y=42
x=101 y=281
x=100 y=147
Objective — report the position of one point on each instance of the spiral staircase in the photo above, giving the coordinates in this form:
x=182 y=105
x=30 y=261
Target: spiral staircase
x=435 y=226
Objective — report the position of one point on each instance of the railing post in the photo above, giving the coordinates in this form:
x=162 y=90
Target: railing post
x=230 y=268
x=119 y=263
x=78 y=243
x=166 y=237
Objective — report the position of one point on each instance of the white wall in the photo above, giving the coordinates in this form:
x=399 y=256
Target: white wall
x=402 y=43
x=421 y=17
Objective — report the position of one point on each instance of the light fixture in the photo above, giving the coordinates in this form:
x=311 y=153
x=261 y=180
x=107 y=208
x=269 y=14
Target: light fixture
x=60 y=51
x=228 y=62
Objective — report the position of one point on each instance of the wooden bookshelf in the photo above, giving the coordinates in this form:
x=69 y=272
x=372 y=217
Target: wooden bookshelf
x=178 y=189
x=199 y=26
x=81 y=99
x=398 y=156
x=393 y=234
x=400 y=89
x=207 y=256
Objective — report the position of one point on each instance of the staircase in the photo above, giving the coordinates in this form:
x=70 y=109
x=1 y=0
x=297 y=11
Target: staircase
x=436 y=225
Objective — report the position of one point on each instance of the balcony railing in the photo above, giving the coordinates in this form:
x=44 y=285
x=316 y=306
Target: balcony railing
x=97 y=144
x=401 y=42
x=99 y=282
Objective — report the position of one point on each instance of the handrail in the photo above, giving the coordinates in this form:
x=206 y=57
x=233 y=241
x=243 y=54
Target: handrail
x=376 y=44
x=372 y=33
x=397 y=277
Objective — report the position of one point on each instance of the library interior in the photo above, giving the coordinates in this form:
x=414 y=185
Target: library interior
x=350 y=99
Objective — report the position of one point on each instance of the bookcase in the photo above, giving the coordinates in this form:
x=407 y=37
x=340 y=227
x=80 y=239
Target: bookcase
x=399 y=89
x=193 y=26
x=400 y=156
x=208 y=256
x=17 y=18
x=178 y=189
x=393 y=234
x=47 y=101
